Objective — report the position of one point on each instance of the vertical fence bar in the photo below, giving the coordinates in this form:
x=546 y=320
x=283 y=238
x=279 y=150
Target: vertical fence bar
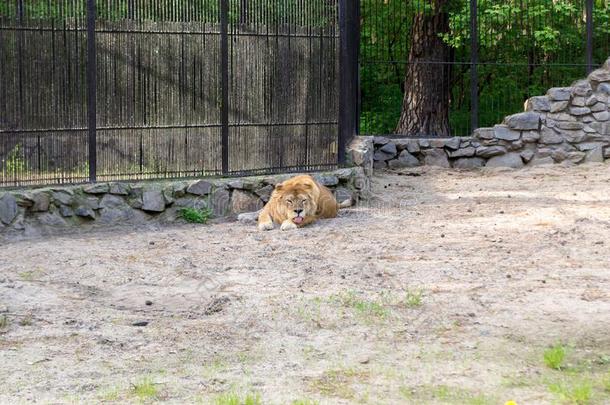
x=224 y=69
x=349 y=40
x=474 y=66
x=589 y=21
x=92 y=90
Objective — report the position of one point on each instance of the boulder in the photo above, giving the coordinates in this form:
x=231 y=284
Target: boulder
x=538 y=103
x=559 y=106
x=453 y=143
x=389 y=148
x=97 y=188
x=464 y=152
x=601 y=116
x=579 y=110
x=119 y=188
x=595 y=155
x=41 y=200
x=468 y=163
x=8 y=208
x=484 y=133
x=405 y=159
x=504 y=133
x=559 y=93
x=548 y=136
x=436 y=157
x=523 y=121
x=200 y=187
x=490 y=151
x=243 y=201
x=512 y=160
x=153 y=201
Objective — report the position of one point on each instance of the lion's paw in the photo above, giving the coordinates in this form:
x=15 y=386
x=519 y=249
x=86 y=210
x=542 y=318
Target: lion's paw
x=288 y=226
x=265 y=226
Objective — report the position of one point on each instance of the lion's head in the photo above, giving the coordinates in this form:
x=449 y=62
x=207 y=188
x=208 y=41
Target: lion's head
x=298 y=198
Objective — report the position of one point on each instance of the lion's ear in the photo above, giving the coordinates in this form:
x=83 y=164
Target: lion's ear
x=279 y=186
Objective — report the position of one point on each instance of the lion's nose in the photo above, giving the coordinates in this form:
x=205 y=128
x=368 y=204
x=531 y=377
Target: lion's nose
x=298 y=212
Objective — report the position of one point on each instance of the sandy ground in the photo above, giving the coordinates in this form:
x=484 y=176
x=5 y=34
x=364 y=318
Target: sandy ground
x=446 y=288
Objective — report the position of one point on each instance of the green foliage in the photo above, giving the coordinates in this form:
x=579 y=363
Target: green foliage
x=15 y=161
x=577 y=393
x=413 y=298
x=145 y=389
x=195 y=215
x=554 y=356
x=235 y=399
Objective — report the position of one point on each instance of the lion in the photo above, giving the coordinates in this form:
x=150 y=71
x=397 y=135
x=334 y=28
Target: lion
x=297 y=202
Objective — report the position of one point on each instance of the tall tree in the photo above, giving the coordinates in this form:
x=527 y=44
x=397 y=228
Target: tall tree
x=425 y=107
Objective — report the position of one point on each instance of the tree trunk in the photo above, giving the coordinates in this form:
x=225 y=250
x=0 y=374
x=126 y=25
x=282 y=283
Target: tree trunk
x=425 y=108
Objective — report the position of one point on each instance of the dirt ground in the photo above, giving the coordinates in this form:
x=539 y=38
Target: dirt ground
x=448 y=287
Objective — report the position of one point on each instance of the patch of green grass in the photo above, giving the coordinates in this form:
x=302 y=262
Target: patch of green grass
x=110 y=395
x=338 y=383
x=304 y=402
x=413 y=298
x=362 y=306
x=555 y=356
x=195 y=215
x=605 y=383
x=236 y=399
x=145 y=389
x=445 y=394
x=26 y=320
x=577 y=393
x=3 y=322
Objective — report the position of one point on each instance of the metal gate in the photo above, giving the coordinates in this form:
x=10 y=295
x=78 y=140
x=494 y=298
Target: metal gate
x=125 y=89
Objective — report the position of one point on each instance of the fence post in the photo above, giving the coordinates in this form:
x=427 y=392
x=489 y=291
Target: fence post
x=474 y=66
x=92 y=90
x=349 y=48
x=224 y=68
x=589 y=20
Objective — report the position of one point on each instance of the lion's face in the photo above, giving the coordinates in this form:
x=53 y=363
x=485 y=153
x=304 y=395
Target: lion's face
x=297 y=201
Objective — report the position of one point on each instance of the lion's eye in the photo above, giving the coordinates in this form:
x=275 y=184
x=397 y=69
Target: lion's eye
x=304 y=201
x=289 y=202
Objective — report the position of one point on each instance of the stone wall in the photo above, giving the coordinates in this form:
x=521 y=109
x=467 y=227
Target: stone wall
x=568 y=125
x=39 y=210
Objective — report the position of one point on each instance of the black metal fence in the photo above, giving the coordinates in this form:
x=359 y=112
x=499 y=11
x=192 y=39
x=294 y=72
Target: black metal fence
x=130 y=89
x=522 y=48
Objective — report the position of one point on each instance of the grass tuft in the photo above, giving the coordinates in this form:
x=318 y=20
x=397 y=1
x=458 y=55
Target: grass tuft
x=235 y=399
x=3 y=322
x=578 y=393
x=554 y=357
x=195 y=216
x=413 y=298
x=145 y=389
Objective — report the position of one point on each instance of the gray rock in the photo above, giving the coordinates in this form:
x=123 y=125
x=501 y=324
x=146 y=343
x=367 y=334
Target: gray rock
x=559 y=93
x=587 y=146
x=468 y=163
x=8 y=208
x=265 y=192
x=512 y=160
x=560 y=117
x=51 y=219
x=548 y=136
x=424 y=143
x=248 y=218
x=343 y=174
x=582 y=88
x=527 y=155
x=588 y=129
x=327 y=180
x=66 y=211
x=595 y=155
x=180 y=189
x=453 y=143
x=112 y=201
x=484 y=133
x=62 y=197
x=578 y=101
x=41 y=200
x=506 y=134
x=607 y=153
x=343 y=194
x=601 y=116
x=438 y=142
x=380 y=165
x=436 y=157
x=220 y=202
x=530 y=136
x=569 y=125
x=523 y=121
x=602 y=128
x=381 y=156
x=604 y=88
x=538 y=103
x=573 y=136
x=592 y=100
x=599 y=107
x=579 y=110
x=84 y=212
x=576 y=156
x=540 y=160
x=153 y=201
x=241 y=184
x=119 y=188
x=243 y=201
x=465 y=152
x=200 y=187
x=559 y=106
x=559 y=155
x=97 y=188
x=168 y=195
x=599 y=76
x=516 y=145
x=412 y=146
x=490 y=151
x=116 y=215
x=587 y=119
x=389 y=148
x=380 y=140
x=405 y=159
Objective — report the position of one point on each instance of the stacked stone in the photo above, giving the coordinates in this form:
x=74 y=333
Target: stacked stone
x=119 y=203
x=568 y=124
